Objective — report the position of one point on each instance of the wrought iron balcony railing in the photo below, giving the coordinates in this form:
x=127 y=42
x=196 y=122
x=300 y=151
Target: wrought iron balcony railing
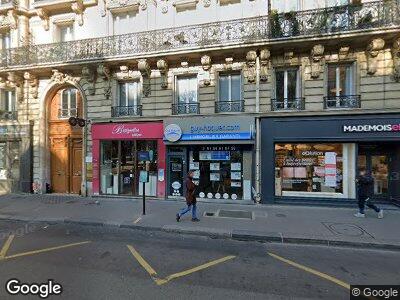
x=346 y=101
x=65 y=113
x=185 y=108
x=229 y=106
x=319 y=22
x=287 y=104
x=8 y=115
x=126 y=111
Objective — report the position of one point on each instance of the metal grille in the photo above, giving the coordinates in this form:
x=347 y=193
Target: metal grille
x=287 y=104
x=185 y=108
x=124 y=111
x=346 y=101
x=229 y=106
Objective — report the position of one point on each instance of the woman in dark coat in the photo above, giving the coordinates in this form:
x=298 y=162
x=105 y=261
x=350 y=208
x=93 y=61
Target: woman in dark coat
x=190 y=199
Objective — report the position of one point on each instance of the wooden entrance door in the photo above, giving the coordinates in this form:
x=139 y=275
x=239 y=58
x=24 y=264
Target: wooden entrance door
x=76 y=165
x=65 y=142
x=59 y=166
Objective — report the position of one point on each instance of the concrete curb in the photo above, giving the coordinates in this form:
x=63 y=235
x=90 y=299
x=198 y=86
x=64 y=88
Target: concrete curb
x=238 y=235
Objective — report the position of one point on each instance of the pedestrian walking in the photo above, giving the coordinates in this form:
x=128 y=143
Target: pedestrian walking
x=190 y=199
x=364 y=190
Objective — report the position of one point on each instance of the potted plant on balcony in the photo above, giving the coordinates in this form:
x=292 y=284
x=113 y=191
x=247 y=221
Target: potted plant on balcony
x=291 y=17
x=276 y=29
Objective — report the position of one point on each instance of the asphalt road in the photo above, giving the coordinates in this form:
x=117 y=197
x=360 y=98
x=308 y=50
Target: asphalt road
x=169 y=266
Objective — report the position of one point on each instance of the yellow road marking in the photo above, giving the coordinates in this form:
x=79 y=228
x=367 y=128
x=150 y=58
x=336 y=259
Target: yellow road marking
x=312 y=271
x=142 y=261
x=198 y=268
x=137 y=220
x=160 y=281
x=6 y=246
x=45 y=250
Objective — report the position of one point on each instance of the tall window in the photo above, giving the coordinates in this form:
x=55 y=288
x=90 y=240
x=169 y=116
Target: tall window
x=340 y=80
x=66 y=33
x=186 y=89
x=7 y=102
x=5 y=40
x=296 y=5
x=287 y=87
x=230 y=87
x=68 y=103
x=129 y=93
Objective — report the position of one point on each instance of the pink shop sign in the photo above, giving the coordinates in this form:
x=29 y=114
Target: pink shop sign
x=127 y=131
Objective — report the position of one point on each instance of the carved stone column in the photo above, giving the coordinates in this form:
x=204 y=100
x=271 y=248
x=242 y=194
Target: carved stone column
x=250 y=71
x=162 y=66
x=145 y=71
x=372 y=52
x=89 y=78
x=206 y=65
x=396 y=59
x=265 y=56
x=317 y=54
x=104 y=72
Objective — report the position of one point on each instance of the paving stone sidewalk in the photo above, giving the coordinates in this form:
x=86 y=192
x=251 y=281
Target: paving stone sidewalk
x=270 y=223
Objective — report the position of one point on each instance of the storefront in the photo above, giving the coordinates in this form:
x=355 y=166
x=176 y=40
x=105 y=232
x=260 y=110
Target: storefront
x=318 y=158
x=15 y=159
x=219 y=150
x=121 y=151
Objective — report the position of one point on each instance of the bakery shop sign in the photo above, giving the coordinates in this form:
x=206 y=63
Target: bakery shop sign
x=371 y=128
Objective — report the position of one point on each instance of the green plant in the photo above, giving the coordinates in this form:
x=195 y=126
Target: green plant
x=276 y=29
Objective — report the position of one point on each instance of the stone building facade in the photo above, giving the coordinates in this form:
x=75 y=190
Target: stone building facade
x=172 y=86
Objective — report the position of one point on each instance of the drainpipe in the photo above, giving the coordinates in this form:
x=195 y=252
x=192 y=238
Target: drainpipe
x=258 y=135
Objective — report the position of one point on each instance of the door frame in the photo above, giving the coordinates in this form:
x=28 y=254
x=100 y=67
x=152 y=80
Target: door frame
x=379 y=150
x=183 y=155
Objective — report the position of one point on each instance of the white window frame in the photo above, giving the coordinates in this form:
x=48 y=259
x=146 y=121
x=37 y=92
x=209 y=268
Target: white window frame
x=69 y=109
x=125 y=103
x=187 y=78
x=229 y=75
x=285 y=84
x=8 y=100
x=6 y=40
x=68 y=27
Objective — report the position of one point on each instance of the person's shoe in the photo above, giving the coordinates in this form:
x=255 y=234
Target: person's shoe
x=178 y=218
x=380 y=214
x=359 y=215
x=195 y=220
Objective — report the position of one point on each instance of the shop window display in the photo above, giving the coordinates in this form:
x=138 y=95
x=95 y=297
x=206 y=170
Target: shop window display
x=220 y=173
x=309 y=168
x=121 y=163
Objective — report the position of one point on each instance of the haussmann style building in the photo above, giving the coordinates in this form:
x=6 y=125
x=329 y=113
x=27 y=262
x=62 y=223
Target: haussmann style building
x=269 y=101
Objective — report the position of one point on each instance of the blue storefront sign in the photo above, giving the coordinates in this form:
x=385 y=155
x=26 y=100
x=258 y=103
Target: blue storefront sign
x=209 y=129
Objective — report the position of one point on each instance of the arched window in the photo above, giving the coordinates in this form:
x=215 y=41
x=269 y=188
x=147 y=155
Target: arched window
x=68 y=103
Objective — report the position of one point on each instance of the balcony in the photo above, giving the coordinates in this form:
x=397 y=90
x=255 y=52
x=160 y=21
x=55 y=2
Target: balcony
x=287 y=104
x=321 y=22
x=65 y=113
x=339 y=102
x=185 y=108
x=8 y=115
x=126 y=111
x=229 y=106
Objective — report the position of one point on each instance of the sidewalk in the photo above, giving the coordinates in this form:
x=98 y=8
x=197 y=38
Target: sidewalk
x=273 y=223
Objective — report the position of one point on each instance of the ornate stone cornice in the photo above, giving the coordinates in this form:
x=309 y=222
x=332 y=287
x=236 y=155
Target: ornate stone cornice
x=105 y=73
x=89 y=78
x=344 y=52
x=78 y=8
x=42 y=14
x=33 y=84
x=162 y=66
x=265 y=57
x=145 y=71
x=250 y=71
x=396 y=59
x=206 y=65
x=62 y=78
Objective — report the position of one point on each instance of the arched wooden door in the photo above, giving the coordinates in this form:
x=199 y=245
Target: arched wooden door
x=65 y=142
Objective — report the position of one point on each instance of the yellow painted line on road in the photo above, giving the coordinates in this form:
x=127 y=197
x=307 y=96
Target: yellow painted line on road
x=6 y=246
x=45 y=250
x=160 y=281
x=198 y=268
x=142 y=261
x=137 y=220
x=312 y=271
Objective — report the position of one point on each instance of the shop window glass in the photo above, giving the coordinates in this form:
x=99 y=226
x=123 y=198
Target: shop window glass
x=221 y=172
x=230 y=87
x=340 y=80
x=129 y=93
x=187 y=90
x=309 y=168
x=68 y=103
x=121 y=163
